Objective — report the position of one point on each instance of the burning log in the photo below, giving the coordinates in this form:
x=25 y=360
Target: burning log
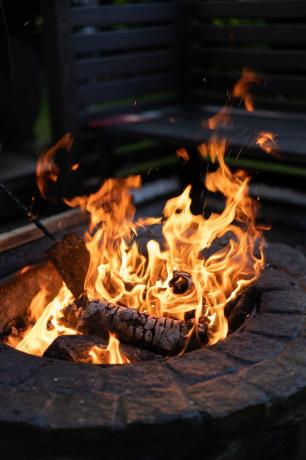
x=76 y=348
x=71 y=259
x=243 y=308
x=164 y=336
x=181 y=282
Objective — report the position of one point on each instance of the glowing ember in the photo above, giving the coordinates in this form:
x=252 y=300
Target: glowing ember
x=267 y=142
x=75 y=166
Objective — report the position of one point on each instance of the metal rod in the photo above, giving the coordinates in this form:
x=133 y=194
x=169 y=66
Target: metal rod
x=29 y=215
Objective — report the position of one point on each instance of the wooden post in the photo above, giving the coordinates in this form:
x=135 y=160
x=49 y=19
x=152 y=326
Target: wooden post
x=60 y=76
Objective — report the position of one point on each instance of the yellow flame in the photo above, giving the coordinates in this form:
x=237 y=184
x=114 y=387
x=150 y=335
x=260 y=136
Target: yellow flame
x=223 y=253
x=109 y=355
x=47 y=327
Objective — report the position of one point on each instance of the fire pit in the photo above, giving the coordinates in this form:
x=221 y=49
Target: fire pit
x=242 y=396
x=205 y=318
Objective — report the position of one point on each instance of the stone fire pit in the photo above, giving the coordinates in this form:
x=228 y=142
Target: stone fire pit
x=243 y=398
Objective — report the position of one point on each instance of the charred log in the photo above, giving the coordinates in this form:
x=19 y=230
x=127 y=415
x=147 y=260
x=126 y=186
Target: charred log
x=71 y=259
x=181 y=282
x=75 y=348
x=164 y=336
x=243 y=308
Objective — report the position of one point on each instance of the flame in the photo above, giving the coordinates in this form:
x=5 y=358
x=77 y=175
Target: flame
x=109 y=355
x=75 y=166
x=222 y=118
x=267 y=142
x=242 y=88
x=48 y=326
x=46 y=168
x=120 y=272
x=222 y=253
x=182 y=153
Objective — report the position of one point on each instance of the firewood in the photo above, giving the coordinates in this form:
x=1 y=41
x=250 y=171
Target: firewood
x=164 y=336
x=71 y=259
x=244 y=307
x=181 y=282
x=75 y=348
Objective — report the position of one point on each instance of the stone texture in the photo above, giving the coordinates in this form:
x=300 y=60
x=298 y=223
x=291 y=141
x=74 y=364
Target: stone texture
x=284 y=326
x=49 y=410
x=281 y=380
x=65 y=377
x=16 y=367
x=248 y=347
x=294 y=301
x=246 y=394
x=282 y=256
x=152 y=405
x=273 y=279
x=229 y=402
x=202 y=365
x=125 y=379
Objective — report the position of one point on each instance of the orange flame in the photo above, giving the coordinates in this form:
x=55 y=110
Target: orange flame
x=267 y=142
x=182 y=153
x=222 y=253
x=109 y=355
x=222 y=118
x=242 y=88
x=119 y=272
x=48 y=326
x=46 y=168
x=75 y=166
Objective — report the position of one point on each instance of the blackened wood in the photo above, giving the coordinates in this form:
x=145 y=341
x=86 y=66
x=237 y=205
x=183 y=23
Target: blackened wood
x=71 y=258
x=250 y=10
x=123 y=14
x=75 y=348
x=124 y=39
x=161 y=335
x=129 y=88
x=181 y=282
x=243 y=308
x=125 y=64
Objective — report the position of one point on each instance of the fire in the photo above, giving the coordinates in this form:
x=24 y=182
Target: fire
x=46 y=169
x=121 y=272
x=182 y=153
x=222 y=118
x=48 y=325
x=267 y=142
x=243 y=86
x=222 y=253
x=240 y=90
x=109 y=355
x=75 y=166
